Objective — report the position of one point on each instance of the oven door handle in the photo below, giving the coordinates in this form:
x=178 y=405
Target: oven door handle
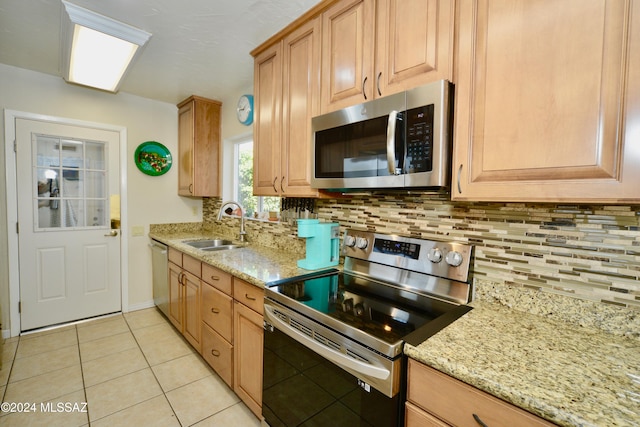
x=338 y=358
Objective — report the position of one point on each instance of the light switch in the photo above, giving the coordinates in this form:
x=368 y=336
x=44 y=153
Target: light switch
x=137 y=230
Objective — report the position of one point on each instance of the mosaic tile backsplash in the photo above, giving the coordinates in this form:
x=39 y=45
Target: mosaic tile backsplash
x=589 y=252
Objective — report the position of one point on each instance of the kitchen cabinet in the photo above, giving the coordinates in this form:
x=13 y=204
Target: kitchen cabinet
x=248 y=342
x=286 y=96
x=199 y=147
x=547 y=101
x=217 y=321
x=376 y=48
x=185 y=295
x=436 y=399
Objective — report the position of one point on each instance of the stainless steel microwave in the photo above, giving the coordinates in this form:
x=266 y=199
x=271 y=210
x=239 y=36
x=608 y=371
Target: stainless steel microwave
x=398 y=141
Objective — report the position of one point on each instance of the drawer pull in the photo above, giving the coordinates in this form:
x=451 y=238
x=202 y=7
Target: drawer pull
x=479 y=421
x=215 y=310
x=216 y=278
x=215 y=353
x=249 y=297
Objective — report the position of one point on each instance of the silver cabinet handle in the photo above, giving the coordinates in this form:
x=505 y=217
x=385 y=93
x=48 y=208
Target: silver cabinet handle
x=378 y=83
x=479 y=421
x=112 y=233
x=274 y=184
x=459 y=174
x=249 y=297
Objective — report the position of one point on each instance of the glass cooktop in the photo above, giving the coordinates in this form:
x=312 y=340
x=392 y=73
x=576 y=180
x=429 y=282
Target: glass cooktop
x=379 y=309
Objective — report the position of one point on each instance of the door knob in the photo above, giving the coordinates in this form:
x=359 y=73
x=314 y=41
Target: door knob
x=112 y=233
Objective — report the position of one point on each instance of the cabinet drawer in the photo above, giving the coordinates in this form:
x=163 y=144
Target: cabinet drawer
x=249 y=295
x=192 y=265
x=456 y=402
x=217 y=311
x=175 y=257
x=416 y=417
x=218 y=353
x=217 y=278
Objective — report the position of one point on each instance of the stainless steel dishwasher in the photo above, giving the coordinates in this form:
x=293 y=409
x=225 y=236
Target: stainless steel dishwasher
x=160 y=264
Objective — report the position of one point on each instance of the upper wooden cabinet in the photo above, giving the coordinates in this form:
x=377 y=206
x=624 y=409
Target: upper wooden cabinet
x=376 y=48
x=199 y=147
x=286 y=96
x=547 y=101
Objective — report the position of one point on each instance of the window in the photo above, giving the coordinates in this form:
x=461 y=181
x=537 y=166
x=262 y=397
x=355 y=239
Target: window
x=243 y=187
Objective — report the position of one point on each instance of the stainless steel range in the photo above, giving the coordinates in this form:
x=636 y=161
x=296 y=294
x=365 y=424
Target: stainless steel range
x=334 y=340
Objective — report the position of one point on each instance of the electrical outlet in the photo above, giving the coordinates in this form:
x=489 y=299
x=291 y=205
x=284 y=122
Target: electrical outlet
x=137 y=230
x=194 y=209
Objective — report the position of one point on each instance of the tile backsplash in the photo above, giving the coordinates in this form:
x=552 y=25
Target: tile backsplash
x=588 y=252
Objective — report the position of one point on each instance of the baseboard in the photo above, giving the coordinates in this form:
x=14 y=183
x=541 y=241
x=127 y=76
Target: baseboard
x=140 y=306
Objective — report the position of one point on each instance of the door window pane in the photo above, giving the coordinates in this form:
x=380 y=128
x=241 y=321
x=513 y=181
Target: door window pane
x=71 y=179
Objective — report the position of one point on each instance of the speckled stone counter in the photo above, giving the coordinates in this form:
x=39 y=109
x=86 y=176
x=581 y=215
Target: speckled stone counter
x=569 y=375
x=253 y=263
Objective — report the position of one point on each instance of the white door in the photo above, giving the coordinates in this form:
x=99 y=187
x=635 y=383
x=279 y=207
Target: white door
x=68 y=194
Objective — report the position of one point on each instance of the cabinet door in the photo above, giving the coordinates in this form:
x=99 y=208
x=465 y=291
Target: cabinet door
x=415 y=417
x=347 y=54
x=414 y=44
x=248 y=341
x=175 y=295
x=541 y=96
x=192 y=318
x=186 y=134
x=301 y=96
x=267 y=125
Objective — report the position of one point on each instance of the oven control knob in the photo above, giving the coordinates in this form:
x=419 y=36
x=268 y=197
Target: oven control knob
x=361 y=243
x=349 y=241
x=454 y=258
x=434 y=255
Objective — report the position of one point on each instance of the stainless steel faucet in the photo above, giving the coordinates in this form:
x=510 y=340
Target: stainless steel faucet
x=231 y=202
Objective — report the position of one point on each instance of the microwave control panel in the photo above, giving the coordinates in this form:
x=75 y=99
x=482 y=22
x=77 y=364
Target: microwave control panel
x=419 y=142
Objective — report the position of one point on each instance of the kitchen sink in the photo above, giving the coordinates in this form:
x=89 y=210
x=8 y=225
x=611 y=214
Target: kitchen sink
x=213 y=244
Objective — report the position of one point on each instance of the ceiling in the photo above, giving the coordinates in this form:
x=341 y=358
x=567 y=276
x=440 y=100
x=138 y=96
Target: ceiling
x=197 y=47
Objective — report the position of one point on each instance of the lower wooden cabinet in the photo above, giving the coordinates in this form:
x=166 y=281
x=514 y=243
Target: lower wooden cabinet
x=436 y=399
x=184 y=296
x=248 y=337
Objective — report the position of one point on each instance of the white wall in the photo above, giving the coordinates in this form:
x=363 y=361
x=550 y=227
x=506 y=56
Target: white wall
x=150 y=200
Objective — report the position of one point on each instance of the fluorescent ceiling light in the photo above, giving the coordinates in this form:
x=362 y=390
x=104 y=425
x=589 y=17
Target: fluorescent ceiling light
x=97 y=51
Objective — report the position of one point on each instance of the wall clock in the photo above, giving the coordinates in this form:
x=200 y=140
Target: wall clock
x=245 y=109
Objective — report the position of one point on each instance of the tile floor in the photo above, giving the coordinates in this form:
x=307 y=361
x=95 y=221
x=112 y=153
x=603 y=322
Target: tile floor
x=131 y=370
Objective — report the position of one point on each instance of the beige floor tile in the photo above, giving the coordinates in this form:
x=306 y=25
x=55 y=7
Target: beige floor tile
x=154 y=412
x=154 y=333
x=165 y=348
x=120 y=393
x=106 y=346
x=92 y=331
x=31 y=366
x=45 y=387
x=181 y=371
x=50 y=414
x=236 y=415
x=201 y=399
x=9 y=350
x=112 y=366
x=43 y=343
x=144 y=318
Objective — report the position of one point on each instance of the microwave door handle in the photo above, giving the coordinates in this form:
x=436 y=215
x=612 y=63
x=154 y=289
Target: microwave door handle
x=391 y=142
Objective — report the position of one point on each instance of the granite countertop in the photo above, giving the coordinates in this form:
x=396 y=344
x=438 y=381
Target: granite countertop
x=565 y=373
x=569 y=375
x=255 y=264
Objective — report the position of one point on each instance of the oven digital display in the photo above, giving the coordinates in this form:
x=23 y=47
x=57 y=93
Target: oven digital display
x=393 y=247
